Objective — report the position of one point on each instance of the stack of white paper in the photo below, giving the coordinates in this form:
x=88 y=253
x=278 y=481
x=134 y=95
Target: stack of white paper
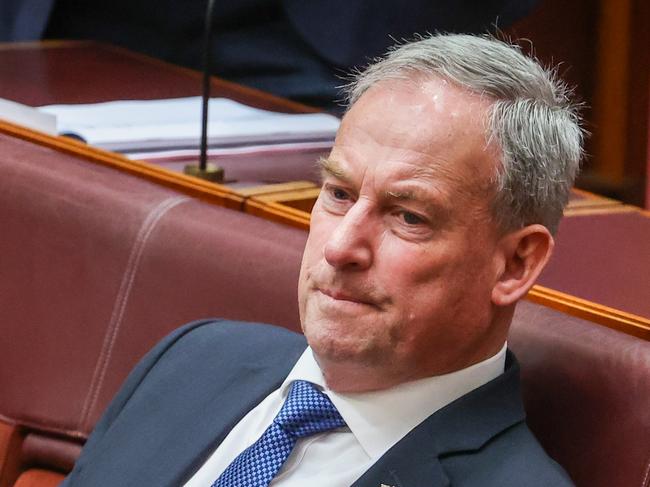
x=27 y=116
x=176 y=124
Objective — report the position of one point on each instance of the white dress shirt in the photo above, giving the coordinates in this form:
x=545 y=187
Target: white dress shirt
x=375 y=422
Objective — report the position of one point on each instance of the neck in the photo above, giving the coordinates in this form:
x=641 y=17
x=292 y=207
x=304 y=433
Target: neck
x=346 y=375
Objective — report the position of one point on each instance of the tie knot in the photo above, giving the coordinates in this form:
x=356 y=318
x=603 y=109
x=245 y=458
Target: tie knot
x=307 y=411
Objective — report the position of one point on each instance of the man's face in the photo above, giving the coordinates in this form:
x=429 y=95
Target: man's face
x=400 y=262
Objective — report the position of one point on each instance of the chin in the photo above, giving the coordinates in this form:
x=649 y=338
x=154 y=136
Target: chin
x=333 y=344
x=326 y=341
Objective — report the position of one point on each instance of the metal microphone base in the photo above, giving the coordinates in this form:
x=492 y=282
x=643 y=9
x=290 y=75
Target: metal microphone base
x=210 y=173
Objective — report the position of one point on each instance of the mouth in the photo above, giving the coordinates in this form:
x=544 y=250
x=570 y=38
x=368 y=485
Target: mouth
x=347 y=297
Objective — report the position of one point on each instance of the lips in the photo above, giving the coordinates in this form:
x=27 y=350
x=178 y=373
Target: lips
x=341 y=295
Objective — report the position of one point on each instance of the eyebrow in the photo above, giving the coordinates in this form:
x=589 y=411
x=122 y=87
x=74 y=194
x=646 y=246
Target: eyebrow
x=330 y=167
x=409 y=195
x=423 y=197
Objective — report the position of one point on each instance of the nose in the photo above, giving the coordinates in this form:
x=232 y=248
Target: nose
x=350 y=246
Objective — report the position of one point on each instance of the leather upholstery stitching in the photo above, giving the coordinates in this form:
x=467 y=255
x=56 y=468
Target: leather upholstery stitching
x=646 y=477
x=121 y=301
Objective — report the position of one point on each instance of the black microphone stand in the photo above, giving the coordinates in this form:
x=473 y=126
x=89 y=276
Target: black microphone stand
x=206 y=170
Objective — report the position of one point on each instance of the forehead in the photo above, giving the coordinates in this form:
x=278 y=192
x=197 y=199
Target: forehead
x=424 y=127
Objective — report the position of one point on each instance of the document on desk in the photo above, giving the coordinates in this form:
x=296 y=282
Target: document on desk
x=27 y=116
x=176 y=124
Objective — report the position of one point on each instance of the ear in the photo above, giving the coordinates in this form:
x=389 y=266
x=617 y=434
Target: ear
x=525 y=253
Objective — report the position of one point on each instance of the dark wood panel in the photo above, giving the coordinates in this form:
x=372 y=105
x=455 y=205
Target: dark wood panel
x=87 y=72
x=602 y=49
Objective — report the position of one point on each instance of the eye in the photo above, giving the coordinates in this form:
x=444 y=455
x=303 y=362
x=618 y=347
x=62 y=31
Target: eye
x=411 y=218
x=336 y=194
x=339 y=194
x=335 y=199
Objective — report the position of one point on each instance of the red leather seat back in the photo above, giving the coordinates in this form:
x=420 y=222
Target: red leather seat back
x=587 y=395
x=98 y=265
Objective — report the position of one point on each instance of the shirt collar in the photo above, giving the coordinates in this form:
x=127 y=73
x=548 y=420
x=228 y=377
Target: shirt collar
x=379 y=419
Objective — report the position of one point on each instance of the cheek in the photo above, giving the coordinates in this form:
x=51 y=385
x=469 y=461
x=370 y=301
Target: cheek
x=413 y=279
x=428 y=283
x=309 y=260
x=319 y=230
x=313 y=254
x=406 y=266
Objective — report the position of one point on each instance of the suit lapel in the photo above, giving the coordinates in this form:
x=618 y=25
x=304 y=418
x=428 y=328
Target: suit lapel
x=206 y=431
x=189 y=400
x=409 y=463
x=464 y=425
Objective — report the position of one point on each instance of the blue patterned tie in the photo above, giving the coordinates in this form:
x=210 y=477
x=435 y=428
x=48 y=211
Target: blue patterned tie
x=306 y=411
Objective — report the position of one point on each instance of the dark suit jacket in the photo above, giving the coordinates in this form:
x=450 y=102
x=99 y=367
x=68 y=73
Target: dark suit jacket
x=184 y=397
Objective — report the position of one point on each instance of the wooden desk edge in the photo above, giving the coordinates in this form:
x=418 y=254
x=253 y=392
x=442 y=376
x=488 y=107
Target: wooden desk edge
x=278 y=213
x=602 y=210
x=594 y=197
x=49 y=44
x=187 y=184
x=628 y=323
x=204 y=190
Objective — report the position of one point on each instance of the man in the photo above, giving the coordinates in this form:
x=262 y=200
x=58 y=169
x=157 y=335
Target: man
x=439 y=200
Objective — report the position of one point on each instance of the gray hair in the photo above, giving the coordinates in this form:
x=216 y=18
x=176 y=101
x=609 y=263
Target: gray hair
x=532 y=119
